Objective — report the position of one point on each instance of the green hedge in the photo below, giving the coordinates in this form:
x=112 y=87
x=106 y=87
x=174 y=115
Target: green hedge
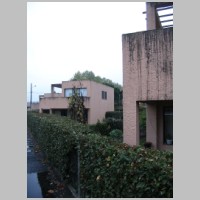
x=107 y=169
x=114 y=123
x=117 y=135
x=114 y=114
x=107 y=125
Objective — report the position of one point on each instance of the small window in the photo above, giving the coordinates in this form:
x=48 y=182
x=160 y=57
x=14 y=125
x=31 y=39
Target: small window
x=168 y=125
x=80 y=91
x=104 y=95
x=68 y=92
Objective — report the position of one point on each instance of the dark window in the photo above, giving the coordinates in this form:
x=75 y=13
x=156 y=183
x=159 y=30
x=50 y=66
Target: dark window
x=45 y=111
x=104 y=95
x=80 y=91
x=168 y=125
x=63 y=112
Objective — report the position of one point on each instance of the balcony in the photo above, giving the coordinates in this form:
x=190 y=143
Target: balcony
x=57 y=101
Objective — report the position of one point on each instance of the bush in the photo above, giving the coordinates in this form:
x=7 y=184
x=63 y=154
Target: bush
x=111 y=171
x=116 y=134
x=101 y=127
x=114 y=123
x=114 y=114
x=108 y=169
x=105 y=127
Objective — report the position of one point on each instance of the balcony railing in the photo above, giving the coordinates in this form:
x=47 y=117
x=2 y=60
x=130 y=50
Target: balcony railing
x=46 y=95
x=52 y=100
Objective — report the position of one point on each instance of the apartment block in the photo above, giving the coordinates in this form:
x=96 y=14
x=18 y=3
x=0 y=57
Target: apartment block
x=98 y=99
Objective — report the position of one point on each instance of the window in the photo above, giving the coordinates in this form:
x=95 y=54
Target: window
x=68 y=92
x=168 y=125
x=104 y=95
x=80 y=91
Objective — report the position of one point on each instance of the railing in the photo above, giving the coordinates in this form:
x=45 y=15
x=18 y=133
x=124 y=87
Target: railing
x=52 y=100
x=52 y=95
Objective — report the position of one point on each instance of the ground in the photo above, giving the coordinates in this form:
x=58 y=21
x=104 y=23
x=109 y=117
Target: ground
x=48 y=184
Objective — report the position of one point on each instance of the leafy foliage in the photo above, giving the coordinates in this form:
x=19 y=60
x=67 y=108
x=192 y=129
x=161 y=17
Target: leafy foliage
x=76 y=107
x=116 y=134
x=142 y=118
x=89 y=75
x=101 y=127
x=107 y=125
x=114 y=114
x=114 y=123
x=108 y=169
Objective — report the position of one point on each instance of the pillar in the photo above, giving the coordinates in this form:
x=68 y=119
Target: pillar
x=131 y=124
x=151 y=124
x=151 y=16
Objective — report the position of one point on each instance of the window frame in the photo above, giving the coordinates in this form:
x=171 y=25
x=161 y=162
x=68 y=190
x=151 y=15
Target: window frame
x=84 y=94
x=104 y=95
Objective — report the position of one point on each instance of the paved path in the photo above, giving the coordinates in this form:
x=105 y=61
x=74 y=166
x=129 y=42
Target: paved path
x=35 y=164
x=41 y=181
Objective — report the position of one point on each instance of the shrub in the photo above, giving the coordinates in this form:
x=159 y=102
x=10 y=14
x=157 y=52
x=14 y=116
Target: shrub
x=114 y=123
x=101 y=127
x=116 y=134
x=107 y=125
x=107 y=169
x=111 y=171
x=114 y=114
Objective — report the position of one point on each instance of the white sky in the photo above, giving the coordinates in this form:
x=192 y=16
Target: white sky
x=66 y=37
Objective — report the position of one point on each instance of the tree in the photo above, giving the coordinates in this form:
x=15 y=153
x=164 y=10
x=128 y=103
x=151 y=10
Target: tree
x=76 y=106
x=87 y=75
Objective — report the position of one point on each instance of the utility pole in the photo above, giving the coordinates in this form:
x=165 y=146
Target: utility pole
x=31 y=95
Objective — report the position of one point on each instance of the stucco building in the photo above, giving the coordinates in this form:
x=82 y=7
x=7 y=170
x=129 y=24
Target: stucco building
x=148 y=78
x=34 y=106
x=98 y=99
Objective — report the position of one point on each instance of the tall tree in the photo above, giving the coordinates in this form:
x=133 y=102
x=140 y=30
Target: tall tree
x=76 y=106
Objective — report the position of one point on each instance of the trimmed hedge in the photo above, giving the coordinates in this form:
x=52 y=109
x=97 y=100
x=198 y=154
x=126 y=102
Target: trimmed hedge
x=107 y=125
x=116 y=134
x=114 y=114
x=101 y=127
x=114 y=123
x=107 y=169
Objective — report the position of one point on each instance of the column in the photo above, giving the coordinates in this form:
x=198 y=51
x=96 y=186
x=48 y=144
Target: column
x=151 y=130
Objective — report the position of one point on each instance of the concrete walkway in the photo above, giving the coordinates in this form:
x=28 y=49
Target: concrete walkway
x=35 y=162
x=41 y=180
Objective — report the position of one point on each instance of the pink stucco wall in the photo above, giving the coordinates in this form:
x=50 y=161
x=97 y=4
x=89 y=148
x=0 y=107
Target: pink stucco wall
x=148 y=63
x=147 y=75
x=99 y=106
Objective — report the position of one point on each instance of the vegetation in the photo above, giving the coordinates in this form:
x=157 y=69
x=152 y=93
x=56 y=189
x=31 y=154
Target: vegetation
x=107 y=125
x=107 y=168
x=115 y=115
x=116 y=134
x=142 y=118
x=76 y=107
x=89 y=75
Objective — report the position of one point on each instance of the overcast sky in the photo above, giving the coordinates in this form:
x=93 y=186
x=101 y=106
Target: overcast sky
x=66 y=37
